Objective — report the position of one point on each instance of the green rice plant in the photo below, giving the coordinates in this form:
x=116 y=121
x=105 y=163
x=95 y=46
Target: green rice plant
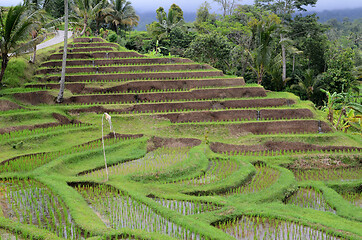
x=217 y=170
x=155 y=162
x=329 y=174
x=264 y=178
x=187 y=207
x=353 y=197
x=30 y=202
x=118 y=210
x=30 y=162
x=6 y=235
x=255 y=227
x=310 y=198
x=27 y=132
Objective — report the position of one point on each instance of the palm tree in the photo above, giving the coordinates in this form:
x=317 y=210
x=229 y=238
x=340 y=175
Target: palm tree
x=166 y=22
x=15 y=26
x=307 y=84
x=43 y=25
x=262 y=56
x=122 y=14
x=88 y=10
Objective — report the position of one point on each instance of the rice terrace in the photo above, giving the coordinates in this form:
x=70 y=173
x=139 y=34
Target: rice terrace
x=145 y=146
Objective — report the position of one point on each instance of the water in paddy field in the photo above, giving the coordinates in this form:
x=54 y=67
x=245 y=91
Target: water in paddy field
x=263 y=228
x=343 y=174
x=217 y=170
x=187 y=207
x=353 y=197
x=6 y=235
x=158 y=160
x=118 y=211
x=264 y=178
x=310 y=198
x=29 y=202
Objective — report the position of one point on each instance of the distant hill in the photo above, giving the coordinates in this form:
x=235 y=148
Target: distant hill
x=352 y=14
x=149 y=17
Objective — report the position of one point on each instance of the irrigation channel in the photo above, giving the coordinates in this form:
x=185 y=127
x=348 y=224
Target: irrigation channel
x=118 y=210
x=29 y=202
x=248 y=227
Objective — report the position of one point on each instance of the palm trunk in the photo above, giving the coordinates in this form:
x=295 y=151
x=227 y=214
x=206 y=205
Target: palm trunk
x=284 y=60
x=64 y=63
x=85 y=26
x=339 y=119
x=260 y=75
x=4 y=64
x=34 y=53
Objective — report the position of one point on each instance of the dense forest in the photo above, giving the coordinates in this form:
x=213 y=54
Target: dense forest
x=272 y=43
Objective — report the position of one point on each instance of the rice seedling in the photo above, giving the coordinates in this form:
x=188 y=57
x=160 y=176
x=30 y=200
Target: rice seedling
x=30 y=202
x=264 y=178
x=187 y=207
x=217 y=170
x=118 y=210
x=353 y=197
x=33 y=161
x=310 y=198
x=6 y=235
x=343 y=174
x=251 y=227
x=27 y=132
x=153 y=162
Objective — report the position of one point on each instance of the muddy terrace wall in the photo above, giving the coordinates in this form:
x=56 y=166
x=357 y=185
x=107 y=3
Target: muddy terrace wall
x=89 y=40
x=93 y=44
x=112 y=69
x=135 y=76
x=274 y=146
x=59 y=120
x=191 y=95
x=232 y=115
x=201 y=105
x=274 y=127
x=88 y=49
x=125 y=61
x=59 y=56
x=78 y=88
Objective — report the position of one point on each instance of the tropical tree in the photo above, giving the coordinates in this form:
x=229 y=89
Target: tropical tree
x=15 y=25
x=122 y=14
x=227 y=6
x=213 y=48
x=262 y=57
x=166 y=22
x=42 y=27
x=284 y=9
x=306 y=84
x=88 y=10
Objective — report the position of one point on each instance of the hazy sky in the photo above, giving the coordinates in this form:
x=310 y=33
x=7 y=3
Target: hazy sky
x=192 y=5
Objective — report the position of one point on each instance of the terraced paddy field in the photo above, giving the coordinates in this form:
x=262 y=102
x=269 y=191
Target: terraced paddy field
x=192 y=154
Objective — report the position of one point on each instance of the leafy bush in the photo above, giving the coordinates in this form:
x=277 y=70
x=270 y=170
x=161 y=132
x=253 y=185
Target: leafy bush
x=15 y=72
